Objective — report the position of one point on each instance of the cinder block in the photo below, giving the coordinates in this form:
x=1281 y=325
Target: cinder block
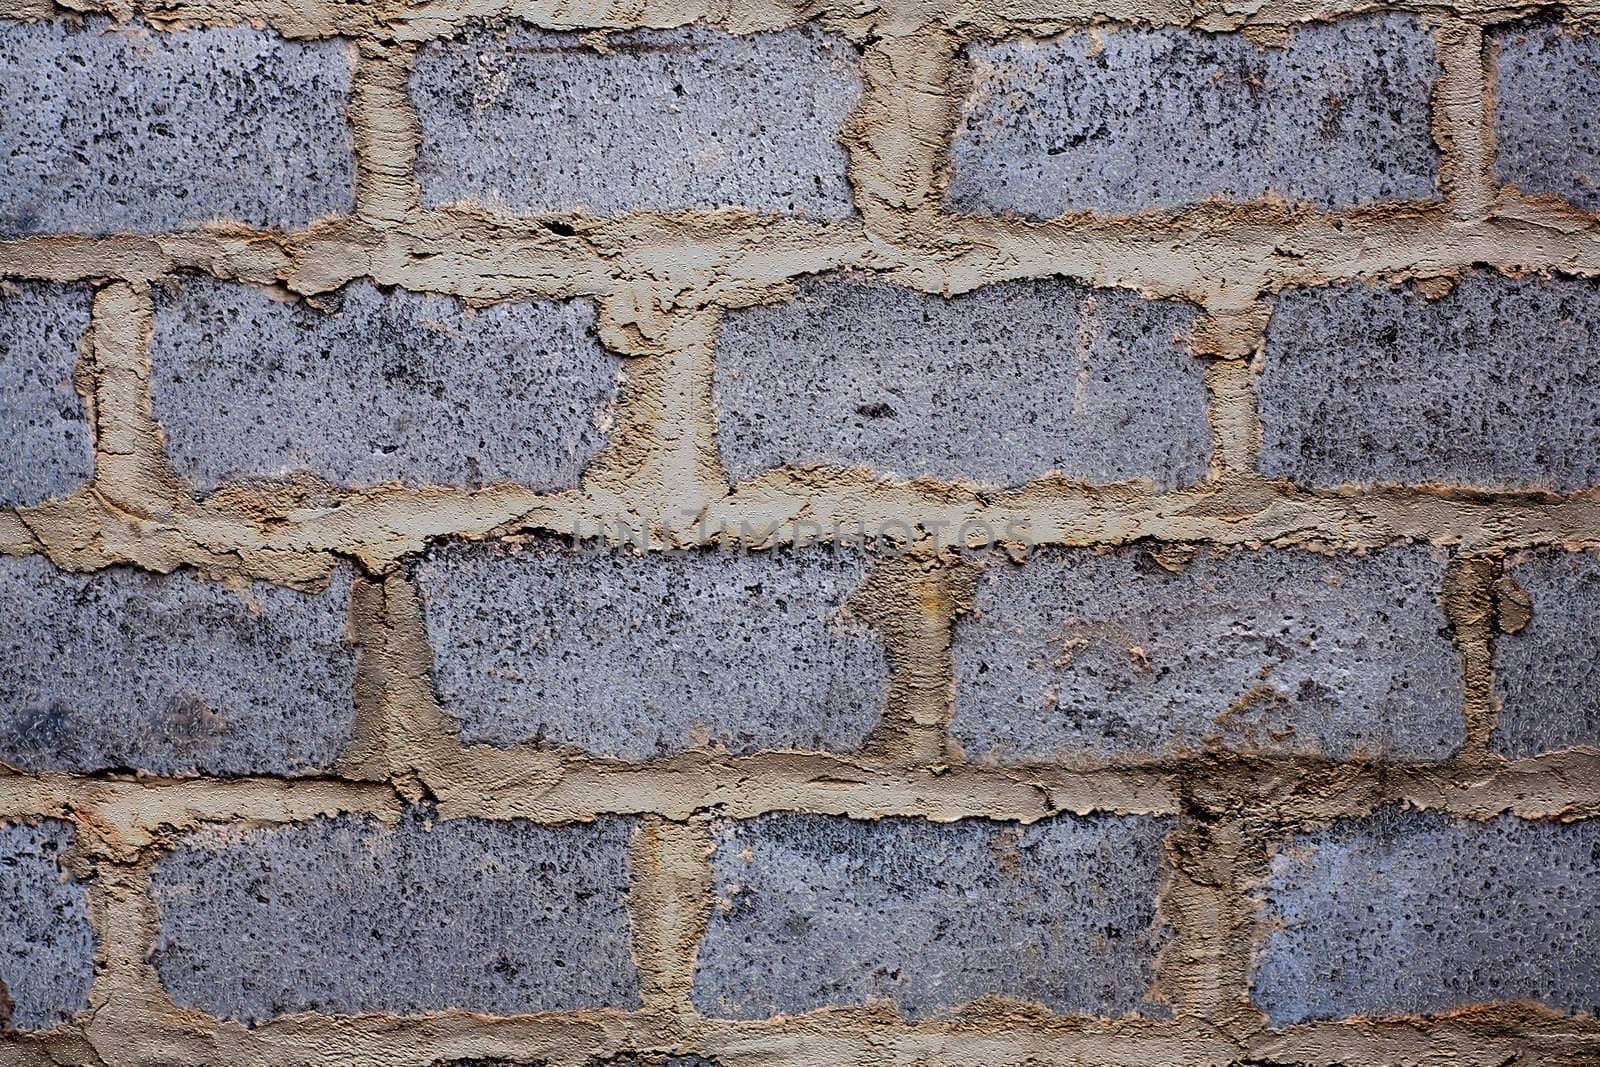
x=1492 y=385
x=662 y=120
x=1547 y=94
x=391 y=387
x=46 y=943
x=1546 y=674
x=343 y=915
x=1128 y=120
x=642 y=656
x=999 y=386
x=819 y=910
x=1074 y=655
x=118 y=127
x=169 y=674
x=1409 y=912
x=49 y=450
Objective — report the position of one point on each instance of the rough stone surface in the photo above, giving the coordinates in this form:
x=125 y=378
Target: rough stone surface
x=818 y=910
x=642 y=656
x=1122 y=121
x=119 y=128
x=170 y=674
x=1491 y=386
x=46 y=944
x=1000 y=385
x=1547 y=111
x=1546 y=674
x=1408 y=912
x=49 y=451
x=343 y=915
x=396 y=387
x=686 y=118
x=1073 y=654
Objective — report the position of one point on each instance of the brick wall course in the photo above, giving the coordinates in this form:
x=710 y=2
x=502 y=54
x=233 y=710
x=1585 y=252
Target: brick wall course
x=46 y=943
x=815 y=911
x=52 y=450
x=1411 y=912
x=170 y=674
x=343 y=915
x=999 y=386
x=665 y=120
x=638 y=378
x=638 y=657
x=1364 y=383
x=123 y=128
x=1129 y=120
x=1135 y=655
x=389 y=387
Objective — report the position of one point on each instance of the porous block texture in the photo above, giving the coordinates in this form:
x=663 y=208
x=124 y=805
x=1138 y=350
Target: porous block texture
x=1128 y=120
x=389 y=387
x=1547 y=674
x=115 y=127
x=1409 y=912
x=998 y=386
x=816 y=910
x=1137 y=656
x=662 y=120
x=124 y=669
x=1492 y=385
x=46 y=943
x=646 y=655
x=49 y=451
x=345 y=915
x=1547 y=111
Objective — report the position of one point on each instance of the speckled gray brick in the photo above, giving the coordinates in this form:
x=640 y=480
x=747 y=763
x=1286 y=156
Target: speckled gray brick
x=1127 y=120
x=391 y=387
x=49 y=449
x=1547 y=111
x=170 y=674
x=687 y=118
x=818 y=910
x=1000 y=385
x=1074 y=655
x=46 y=943
x=343 y=915
x=114 y=128
x=643 y=656
x=1491 y=386
x=1409 y=912
x=1547 y=674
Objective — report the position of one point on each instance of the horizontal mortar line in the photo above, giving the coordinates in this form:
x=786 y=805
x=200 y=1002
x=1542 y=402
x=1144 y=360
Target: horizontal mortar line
x=424 y=21
x=995 y=1032
x=381 y=528
x=134 y=813
x=1223 y=256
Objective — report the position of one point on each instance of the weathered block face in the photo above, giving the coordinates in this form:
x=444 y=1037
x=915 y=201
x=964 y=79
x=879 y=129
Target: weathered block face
x=660 y=120
x=389 y=387
x=1001 y=386
x=127 y=128
x=1079 y=657
x=662 y=534
x=644 y=656
x=42 y=328
x=1131 y=120
x=1364 y=384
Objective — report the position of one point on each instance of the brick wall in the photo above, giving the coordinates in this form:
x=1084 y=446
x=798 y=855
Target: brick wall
x=745 y=535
